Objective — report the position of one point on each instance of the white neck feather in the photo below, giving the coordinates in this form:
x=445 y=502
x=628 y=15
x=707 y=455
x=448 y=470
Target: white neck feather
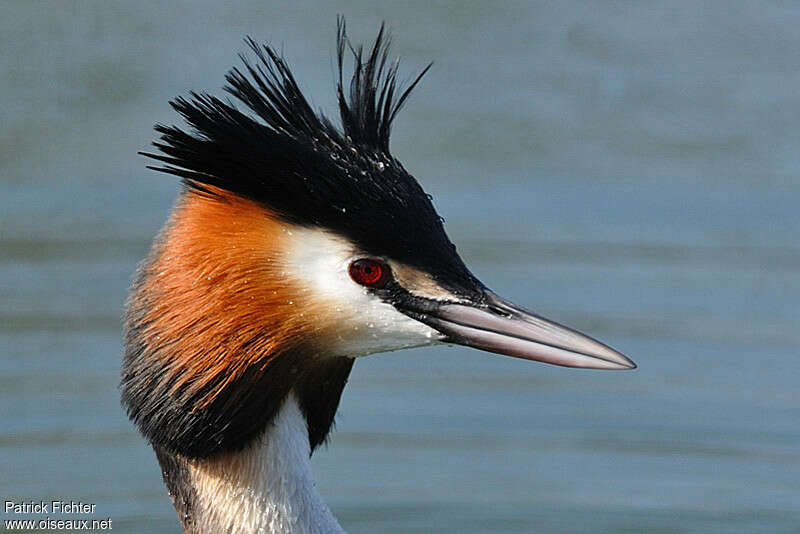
x=266 y=488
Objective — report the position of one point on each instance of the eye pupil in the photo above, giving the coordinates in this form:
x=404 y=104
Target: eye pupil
x=368 y=272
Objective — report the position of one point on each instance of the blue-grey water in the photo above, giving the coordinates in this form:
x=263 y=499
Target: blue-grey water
x=631 y=169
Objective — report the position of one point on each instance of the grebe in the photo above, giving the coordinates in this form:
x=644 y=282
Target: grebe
x=294 y=247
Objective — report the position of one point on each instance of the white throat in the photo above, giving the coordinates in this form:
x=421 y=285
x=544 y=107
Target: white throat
x=266 y=488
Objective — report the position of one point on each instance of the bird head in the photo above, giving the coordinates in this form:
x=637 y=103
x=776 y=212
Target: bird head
x=294 y=247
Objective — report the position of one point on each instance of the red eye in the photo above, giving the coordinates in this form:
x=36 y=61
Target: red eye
x=370 y=273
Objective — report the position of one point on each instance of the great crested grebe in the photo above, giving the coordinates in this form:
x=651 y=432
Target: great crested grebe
x=294 y=247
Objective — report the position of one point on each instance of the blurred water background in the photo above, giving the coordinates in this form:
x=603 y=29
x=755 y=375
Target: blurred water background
x=630 y=169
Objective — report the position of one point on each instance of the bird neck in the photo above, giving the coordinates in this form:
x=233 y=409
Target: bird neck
x=267 y=487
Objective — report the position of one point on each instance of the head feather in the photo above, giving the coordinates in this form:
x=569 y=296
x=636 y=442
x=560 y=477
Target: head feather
x=302 y=167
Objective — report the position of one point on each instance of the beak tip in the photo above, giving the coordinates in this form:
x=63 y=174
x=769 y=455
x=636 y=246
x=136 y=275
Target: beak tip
x=618 y=364
x=623 y=363
x=629 y=364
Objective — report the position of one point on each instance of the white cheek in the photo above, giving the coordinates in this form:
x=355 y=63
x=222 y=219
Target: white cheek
x=365 y=324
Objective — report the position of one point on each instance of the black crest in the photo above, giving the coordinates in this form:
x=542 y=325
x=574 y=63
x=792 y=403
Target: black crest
x=299 y=164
